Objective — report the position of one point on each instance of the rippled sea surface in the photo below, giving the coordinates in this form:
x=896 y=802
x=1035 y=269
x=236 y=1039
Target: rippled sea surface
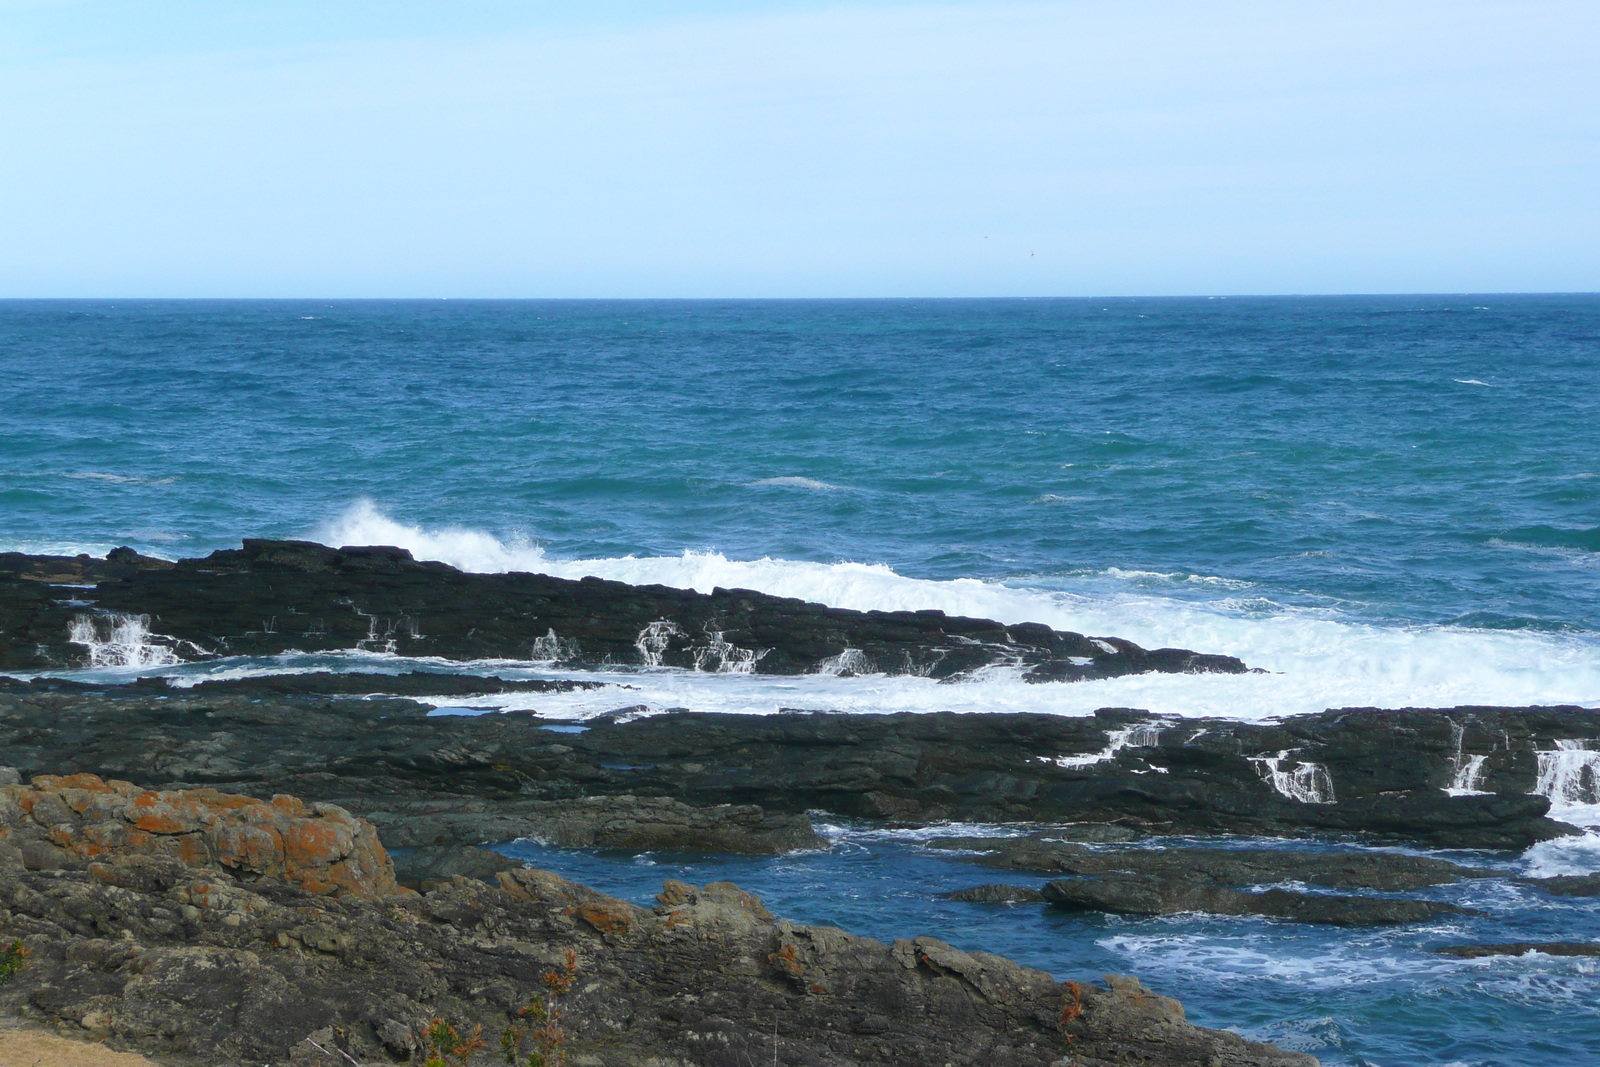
x=1389 y=501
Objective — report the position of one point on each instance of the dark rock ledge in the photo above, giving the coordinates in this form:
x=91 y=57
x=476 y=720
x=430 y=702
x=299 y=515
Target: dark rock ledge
x=1119 y=774
x=172 y=927
x=277 y=596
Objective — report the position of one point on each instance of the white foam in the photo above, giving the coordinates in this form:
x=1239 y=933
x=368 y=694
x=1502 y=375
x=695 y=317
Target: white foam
x=1467 y=770
x=1574 y=854
x=1308 y=783
x=1140 y=735
x=119 y=641
x=1316 y=657
x=792 y=481
x=1569 y=775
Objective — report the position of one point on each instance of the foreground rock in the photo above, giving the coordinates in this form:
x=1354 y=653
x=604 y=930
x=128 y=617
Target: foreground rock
x=1143 y=894
x=320 y=849
x=1116 y=775
x=189 y=964
x=275 y=596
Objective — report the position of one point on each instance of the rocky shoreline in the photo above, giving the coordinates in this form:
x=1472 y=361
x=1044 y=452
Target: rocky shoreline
x=175 y=925
x=345 y=953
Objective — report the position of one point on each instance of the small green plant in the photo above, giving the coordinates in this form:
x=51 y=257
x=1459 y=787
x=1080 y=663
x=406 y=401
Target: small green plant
x=446 y=1046
x=13 y=958
x=542 y=1023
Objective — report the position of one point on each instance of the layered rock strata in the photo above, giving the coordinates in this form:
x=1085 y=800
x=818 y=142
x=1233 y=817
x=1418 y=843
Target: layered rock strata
x=1119 y=774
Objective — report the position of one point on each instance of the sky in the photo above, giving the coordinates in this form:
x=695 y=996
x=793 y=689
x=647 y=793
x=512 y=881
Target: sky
x=490 y=148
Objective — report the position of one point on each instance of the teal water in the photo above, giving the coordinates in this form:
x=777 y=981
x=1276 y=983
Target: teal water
x=1383 y=501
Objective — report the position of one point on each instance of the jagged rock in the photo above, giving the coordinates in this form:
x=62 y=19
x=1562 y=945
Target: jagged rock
x=192 y=966
x=1142 y=894
x=275 y=596
x=320 y=848
x=997 y=893
x=1522 y=948
x=1386 y=871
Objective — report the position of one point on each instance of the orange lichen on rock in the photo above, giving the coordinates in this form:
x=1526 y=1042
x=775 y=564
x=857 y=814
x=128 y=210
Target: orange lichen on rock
x=320 y=847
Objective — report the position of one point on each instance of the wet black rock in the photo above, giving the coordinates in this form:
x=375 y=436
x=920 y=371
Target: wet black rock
x=1521 y=948
x=1385 y=772
x=1143 y=894
x=276 y=596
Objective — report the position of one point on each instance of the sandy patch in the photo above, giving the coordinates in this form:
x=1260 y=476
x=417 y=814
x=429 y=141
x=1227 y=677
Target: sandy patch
x=30 y=1048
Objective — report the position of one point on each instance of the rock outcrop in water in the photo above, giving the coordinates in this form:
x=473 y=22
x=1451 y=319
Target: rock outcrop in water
x=1386 y=774
x=276 y=596
x=192 y=962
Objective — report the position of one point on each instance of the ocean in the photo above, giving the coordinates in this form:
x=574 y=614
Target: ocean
x=1380 y=501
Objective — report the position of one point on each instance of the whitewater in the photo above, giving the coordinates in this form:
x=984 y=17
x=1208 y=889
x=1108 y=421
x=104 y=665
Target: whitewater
x=1311 y=658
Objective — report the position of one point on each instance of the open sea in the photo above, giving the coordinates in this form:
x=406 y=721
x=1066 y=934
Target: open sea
x=1383 y=501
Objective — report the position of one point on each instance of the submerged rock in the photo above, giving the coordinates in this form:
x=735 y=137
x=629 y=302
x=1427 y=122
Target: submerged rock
x=997 y=893
x=1521 y=948
x=1143 y=894
x=1385 y=871
x=1567 y=885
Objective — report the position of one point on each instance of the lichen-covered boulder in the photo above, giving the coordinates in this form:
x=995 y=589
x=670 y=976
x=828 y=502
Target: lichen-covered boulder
x=320 y=848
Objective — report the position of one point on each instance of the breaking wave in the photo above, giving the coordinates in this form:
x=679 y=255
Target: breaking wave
x=1314 y=658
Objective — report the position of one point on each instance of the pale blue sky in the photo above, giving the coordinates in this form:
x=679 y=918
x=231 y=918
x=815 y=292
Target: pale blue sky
x=714 y=148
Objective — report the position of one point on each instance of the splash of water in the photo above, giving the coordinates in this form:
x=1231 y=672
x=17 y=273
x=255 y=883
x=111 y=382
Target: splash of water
x=1569 y=775
x=1140 y=735
x=851 y=661
x=552 y=649
x=119 y=641
x=721 y=656
x=1467 y=770
x=653 y=640
x=1308 y=783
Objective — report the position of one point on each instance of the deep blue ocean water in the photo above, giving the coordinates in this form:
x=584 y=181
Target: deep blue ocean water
x=1383 y=501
